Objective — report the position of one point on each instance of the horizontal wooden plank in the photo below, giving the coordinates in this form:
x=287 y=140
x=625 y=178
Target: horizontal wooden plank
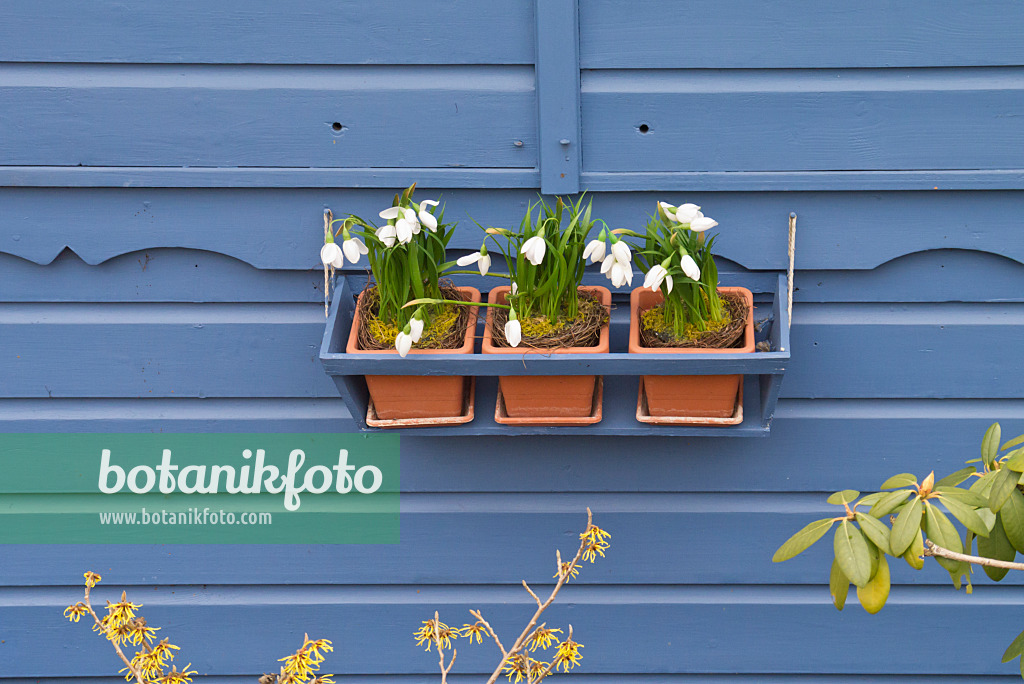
x=156 y=276
x=751 y=34
x=245 y=115
x=272 y=350
x=745 y=181
x=817 y=444
x=686 y=627
x=802 y=120
x=676 y=181
x=164 y=350
x=175 y=415
x=453 y=539
x=283 y=177
x=239 y=32
x=283 y=228
x=936 y=275
x=916 y=350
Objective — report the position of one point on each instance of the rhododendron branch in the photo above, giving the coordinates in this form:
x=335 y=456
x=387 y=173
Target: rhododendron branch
x=934 y=549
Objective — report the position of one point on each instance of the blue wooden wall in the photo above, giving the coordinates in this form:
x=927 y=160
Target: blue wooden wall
x=163 y=171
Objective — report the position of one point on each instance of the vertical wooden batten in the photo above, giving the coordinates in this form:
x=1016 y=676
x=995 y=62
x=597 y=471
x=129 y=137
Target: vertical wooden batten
x=558 y=95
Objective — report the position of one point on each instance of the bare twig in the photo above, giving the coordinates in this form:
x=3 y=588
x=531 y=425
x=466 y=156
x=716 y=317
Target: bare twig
x=440 y=651
x=939 y=552
x=120 y=653
x=562 y=578
x=527 y=587
x=490 y=630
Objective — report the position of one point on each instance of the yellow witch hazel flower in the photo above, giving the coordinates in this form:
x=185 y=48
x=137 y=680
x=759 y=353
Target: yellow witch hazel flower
x=146 y=664
x=313 y=647
x=121 y=634
x=542 y=638
x=120 y=612
x=425 y=634
x=175 y=677
x=595 y=534
x=568 y=568
x=516 y=668
x=299 y=664
x=537 y=668
x=139 y=631
x=568 y=655
x=91 y=578
x=474 y=631
x=75 y=612
x=164 y=652
x=594 y=538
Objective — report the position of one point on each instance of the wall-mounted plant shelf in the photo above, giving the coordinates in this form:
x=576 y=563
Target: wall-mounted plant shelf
x=762 y=371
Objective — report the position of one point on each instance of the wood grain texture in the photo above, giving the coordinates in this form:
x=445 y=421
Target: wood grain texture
x=241 y=32
x=797 y=33
x=801 y=120
x=249 y=115
x=283 y=228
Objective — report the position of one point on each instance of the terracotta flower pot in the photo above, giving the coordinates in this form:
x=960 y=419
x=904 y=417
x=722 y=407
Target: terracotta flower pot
x=697 y=396
x=546 y=396
x=418 y=396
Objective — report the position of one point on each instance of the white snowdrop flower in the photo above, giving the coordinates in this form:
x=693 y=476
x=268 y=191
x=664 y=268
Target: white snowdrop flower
x=513 y=331
x=416 y=329
x=403 y=342
x=687 y=213
x=595 y=251
x=404 y=230
x=330 y=253
x=689 y=267
x=621 y=275
x=426 y=218
x=620 y=250
x=481 y=259
x=655 y=277
x=387 y=235
x=534 y=249
x=702 y=223
x=352 y=248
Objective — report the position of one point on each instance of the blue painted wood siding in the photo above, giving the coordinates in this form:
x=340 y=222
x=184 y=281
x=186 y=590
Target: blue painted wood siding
x=163 y=171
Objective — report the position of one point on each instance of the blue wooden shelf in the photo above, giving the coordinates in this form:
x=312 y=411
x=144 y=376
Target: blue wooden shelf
x=763 y=373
